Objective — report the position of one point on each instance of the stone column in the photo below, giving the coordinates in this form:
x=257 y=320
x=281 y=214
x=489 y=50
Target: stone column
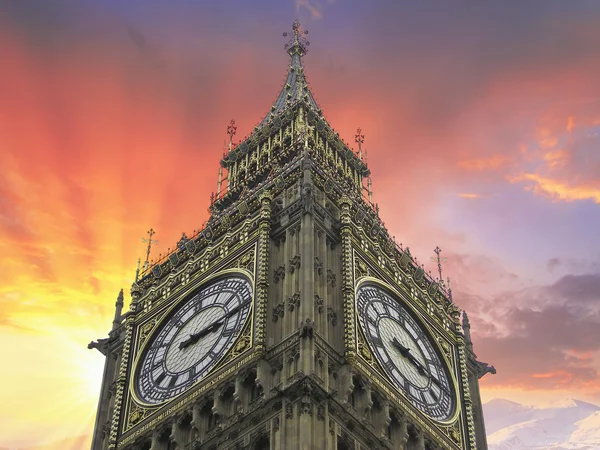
x=307 y=279
x=347 y=281
x=120 y=385
x=416 y=440
x=262 y=276
x=177 y=432
x=454 y=312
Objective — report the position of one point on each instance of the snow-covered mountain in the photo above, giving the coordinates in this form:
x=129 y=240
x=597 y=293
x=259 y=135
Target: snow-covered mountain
x=568 y=425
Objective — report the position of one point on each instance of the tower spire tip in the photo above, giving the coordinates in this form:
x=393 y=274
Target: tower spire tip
x=297 y=43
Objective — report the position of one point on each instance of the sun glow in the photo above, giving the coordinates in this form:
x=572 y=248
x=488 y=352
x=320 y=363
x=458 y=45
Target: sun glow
x=51 y=391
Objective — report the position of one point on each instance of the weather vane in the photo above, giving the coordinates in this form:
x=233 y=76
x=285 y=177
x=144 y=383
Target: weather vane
x=150 y=242
x=439 y=262
x=231 y=129
x=359 y=139
x=297 y=41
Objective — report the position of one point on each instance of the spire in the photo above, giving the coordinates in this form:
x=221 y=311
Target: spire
x=118 y=309
x=295 y=87
x=467 y=330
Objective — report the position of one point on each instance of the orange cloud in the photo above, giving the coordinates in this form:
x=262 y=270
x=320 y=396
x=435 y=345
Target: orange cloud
x=546 y=138
x=560 y=377
x=556 y=158
x=470 y=196
x=493 y=162
x=557 y=190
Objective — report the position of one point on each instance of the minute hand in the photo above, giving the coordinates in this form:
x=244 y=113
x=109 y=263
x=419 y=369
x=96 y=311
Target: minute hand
x=404 y=351
x=209 y=329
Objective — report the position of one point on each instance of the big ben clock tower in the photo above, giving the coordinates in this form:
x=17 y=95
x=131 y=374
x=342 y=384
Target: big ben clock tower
x=292 y=320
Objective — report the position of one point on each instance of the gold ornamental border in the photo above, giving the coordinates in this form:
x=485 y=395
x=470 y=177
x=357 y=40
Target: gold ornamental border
x=403 y=298
x=182 y=296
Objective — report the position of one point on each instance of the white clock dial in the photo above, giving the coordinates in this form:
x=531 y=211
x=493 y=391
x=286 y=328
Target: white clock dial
x=404 y=350
x=193 y=339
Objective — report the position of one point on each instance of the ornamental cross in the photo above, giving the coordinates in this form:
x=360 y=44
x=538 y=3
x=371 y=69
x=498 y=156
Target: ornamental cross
x=439 y=262
x=359 y=139
x=231 y=128
x=297 y=41
x=150 y=242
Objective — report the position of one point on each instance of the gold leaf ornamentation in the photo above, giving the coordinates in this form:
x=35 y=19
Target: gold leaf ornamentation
x=361 y=269
x=445 y=347
x=146 y=329
x=136 y=414
x=242 y=345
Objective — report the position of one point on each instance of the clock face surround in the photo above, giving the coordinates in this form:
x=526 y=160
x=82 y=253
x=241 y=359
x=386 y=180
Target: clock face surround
x=403 y=348
x=193 y=338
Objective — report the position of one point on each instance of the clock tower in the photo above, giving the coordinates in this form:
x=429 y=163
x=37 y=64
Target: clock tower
x=292 y=320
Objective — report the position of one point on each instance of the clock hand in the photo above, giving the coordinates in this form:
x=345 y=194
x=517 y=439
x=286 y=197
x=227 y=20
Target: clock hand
x=209 y=329
x=404 y=351
x=200 y=334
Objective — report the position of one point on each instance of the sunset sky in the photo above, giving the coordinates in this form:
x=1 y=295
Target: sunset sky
x=481 y=121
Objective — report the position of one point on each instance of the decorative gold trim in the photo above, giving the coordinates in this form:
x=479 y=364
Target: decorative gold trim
x=418 y=316
x=135 y=413
x=169 y=411
x=176 y=304
x=241 y=345
x=146 y=329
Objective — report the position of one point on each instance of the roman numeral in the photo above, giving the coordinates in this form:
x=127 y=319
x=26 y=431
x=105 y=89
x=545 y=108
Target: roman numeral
x=172 y=382
x=433 y=394
x=376 y=340
x=390 y=365
x=160 y=378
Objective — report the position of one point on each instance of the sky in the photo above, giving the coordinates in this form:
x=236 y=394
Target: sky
x=482 y=126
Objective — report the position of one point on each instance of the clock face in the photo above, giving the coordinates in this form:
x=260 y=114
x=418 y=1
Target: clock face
x=404 y=350
x=193 y=339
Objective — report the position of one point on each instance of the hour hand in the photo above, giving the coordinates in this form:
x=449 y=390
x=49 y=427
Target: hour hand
x=404 y=351
x=200 y=334
x=211 y=328
x=401 y=348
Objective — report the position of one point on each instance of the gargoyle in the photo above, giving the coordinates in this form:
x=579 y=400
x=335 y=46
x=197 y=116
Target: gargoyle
x=483 y=368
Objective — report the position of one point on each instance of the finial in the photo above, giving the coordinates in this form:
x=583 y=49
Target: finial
x=137 y=271
x=182 y=242
x=118 y=310
x=297 y=43
x=439 y=260
x=231 y=129
x=219 y=181
x=150 y=242
x=359 y=139
x=466 y=323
